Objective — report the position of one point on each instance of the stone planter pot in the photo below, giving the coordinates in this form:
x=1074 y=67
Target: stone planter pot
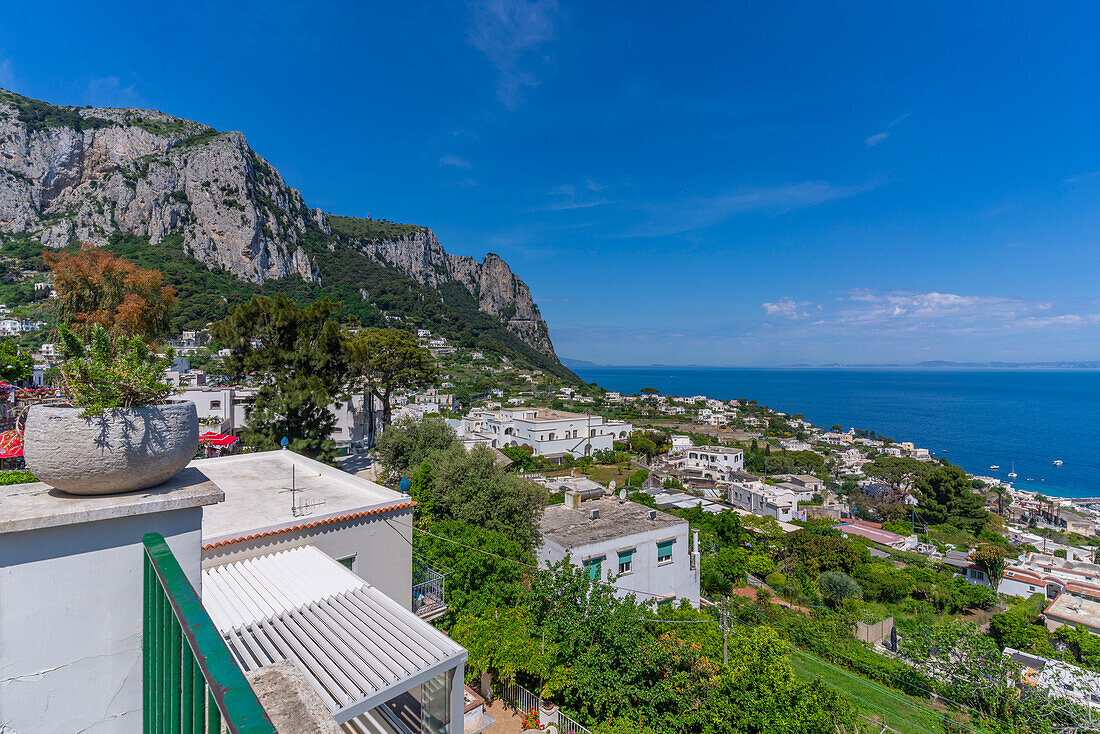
x=122 y=450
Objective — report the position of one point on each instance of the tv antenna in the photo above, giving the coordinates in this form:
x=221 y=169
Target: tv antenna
x=300 y=507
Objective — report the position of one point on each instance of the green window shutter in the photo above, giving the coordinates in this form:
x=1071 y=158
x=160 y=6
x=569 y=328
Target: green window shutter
x=664 y=551
x=592 y=566
x=624 y=556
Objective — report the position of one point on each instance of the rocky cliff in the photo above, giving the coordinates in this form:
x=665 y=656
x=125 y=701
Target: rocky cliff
x=89 y=174
x=498 y=291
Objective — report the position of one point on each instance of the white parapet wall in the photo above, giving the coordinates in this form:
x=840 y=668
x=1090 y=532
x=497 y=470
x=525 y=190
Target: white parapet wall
x=71 y=599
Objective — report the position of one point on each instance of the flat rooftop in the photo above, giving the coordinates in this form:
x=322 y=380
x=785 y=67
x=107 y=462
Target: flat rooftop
x=258 y=495
x=549 y=414
x=618 y=519
x=878 y=535
x=1075 y=610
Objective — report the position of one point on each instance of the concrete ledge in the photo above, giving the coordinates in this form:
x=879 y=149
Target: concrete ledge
x=37 y=505
x=290 y=701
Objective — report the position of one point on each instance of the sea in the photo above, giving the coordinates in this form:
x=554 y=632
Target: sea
x=1020 y=419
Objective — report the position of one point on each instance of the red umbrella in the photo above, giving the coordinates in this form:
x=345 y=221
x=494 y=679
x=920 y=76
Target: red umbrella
x=216 y=439
x=11 y=444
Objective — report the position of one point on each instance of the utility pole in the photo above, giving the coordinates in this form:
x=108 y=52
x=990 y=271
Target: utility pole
x=725 y=636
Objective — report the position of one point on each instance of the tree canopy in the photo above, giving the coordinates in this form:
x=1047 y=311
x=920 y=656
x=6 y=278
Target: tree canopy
x=945 y=496
x=294 y=355
x=15 y=365
x=387 y=360
x=95 y=286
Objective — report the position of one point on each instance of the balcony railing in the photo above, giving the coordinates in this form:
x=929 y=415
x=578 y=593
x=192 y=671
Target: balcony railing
x=192 y=685
x=429 y=594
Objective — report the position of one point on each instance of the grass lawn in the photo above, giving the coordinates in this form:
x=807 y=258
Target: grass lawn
x=605 y=473
x=903 y=713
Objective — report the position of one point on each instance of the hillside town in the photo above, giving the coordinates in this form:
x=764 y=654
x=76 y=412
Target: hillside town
x=690 y=508
x=270 y=469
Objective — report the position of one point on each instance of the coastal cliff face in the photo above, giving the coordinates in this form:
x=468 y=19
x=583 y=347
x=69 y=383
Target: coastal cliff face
x=498 y=291
x=84 y=174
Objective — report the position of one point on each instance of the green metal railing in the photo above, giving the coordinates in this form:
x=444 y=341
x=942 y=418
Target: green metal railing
x=192 y=684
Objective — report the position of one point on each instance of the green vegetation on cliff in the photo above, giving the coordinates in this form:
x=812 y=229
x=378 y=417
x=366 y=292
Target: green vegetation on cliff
x=368 y=290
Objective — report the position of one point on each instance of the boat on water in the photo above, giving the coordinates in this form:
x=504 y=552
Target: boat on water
x=1012 y=474
x=1057 y=462
x=995 y=467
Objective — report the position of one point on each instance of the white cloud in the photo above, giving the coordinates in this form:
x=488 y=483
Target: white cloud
x=565 y=198
x=879 y=137
x=874 y=311
x=786 y=308
x=453 y=160
x=876 y=139
x=1083 y=177
x=594 y=185
x=509 y=33
x=697 y=213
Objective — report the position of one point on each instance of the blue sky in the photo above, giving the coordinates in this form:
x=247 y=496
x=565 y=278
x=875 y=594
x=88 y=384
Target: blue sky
x=749 y=184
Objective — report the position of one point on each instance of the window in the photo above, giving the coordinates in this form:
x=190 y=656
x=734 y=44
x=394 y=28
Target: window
x=625 y=558
x=215 y=405
x=664 y=552
x=348 y=563
x=666 y=602
x=592 y=568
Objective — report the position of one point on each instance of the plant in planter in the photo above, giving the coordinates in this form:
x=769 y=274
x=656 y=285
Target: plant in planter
x=116 y=433
x=112 y=373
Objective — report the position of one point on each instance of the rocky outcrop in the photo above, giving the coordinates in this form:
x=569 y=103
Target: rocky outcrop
x=82 y=174
x=149 y=174
x=491 y=282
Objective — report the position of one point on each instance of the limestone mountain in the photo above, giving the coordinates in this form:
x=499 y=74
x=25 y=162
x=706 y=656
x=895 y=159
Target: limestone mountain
x=221 y=222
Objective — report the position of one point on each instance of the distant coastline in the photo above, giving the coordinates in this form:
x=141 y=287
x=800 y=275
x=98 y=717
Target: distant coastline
x=927 y=365
x=1020 y=420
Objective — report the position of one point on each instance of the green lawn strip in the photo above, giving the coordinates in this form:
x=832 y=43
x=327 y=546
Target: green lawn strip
x=908 y=715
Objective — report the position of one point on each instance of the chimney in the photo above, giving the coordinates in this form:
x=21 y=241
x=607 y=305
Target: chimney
x=652 y=514
x=594 y=513
x=572 y=499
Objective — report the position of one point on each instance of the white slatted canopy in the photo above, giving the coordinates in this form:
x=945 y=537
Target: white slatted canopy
x=357 y=647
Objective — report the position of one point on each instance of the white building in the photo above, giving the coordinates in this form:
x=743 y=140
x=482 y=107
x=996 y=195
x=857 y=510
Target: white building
x=1050 y=575
x=713 y=461
x=637 y=550
x=765 y=499
x=548 y=432
x=680 y=443
x=221 y=409
x=287 y=518
x=225 y=409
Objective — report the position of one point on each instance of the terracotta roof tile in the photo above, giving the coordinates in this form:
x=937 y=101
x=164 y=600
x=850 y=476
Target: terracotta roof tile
x=305 y=526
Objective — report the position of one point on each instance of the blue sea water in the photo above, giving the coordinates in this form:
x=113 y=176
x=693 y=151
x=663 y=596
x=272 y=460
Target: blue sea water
x=974 y=418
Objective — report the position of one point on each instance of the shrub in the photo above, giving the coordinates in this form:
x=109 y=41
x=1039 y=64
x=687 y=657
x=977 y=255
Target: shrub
x=112 y=373
x=775 y=579
x=837 y=587
x=760 y=565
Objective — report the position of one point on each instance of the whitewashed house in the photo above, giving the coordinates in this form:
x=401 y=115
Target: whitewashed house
x=548 y=432
x=637 y=550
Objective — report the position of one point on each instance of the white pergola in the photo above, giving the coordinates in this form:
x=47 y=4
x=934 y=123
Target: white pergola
x=355 y=645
